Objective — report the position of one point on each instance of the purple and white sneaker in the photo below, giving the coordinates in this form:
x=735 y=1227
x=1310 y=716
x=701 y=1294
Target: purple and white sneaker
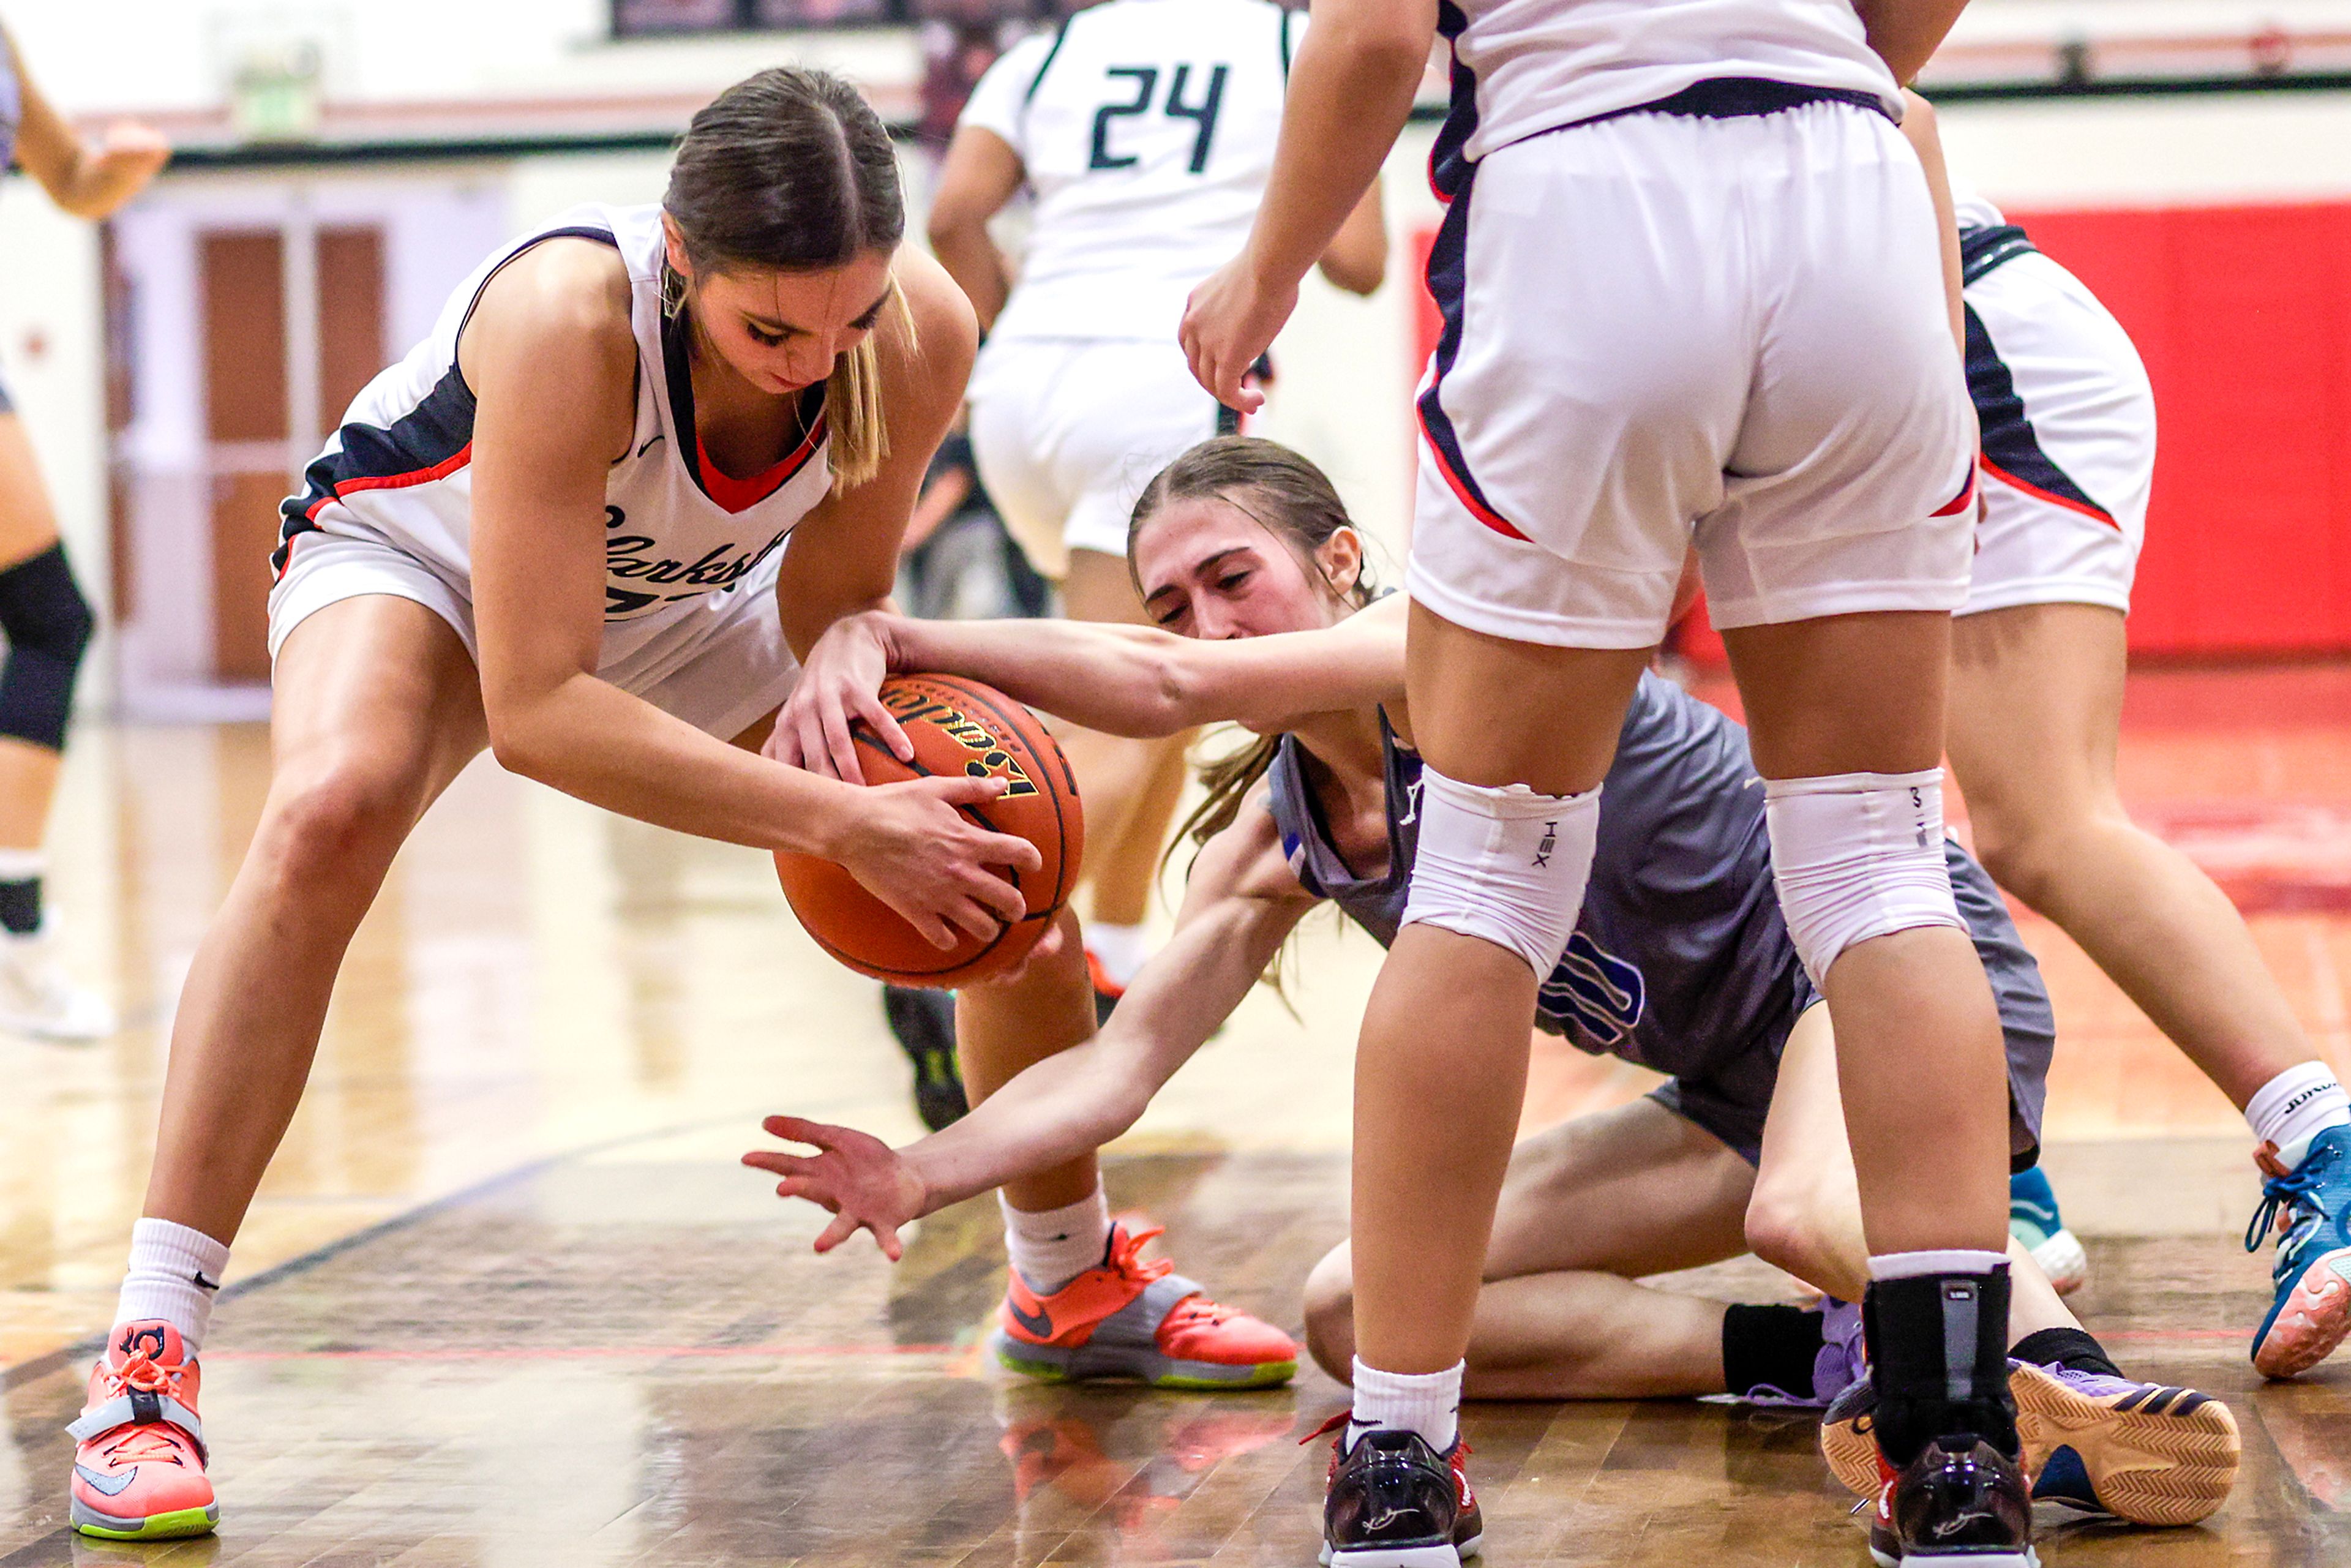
x=1841 y=1364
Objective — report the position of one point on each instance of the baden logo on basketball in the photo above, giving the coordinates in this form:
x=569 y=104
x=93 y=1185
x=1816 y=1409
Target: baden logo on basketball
x=907 y=705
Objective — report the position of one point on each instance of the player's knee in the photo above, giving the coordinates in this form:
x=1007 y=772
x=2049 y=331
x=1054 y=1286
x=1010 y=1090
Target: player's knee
x=1784 y=1230
x=2032 y=853
x=49 y=626
x=1855 y=856
x=1506 y=864
x=1330 y=1313
x=328 y=823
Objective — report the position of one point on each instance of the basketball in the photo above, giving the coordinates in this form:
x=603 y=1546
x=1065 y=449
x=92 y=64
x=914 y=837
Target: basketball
x=957 y=727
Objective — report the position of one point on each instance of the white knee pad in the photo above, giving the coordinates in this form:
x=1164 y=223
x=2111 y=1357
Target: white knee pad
x=1504 y=864
x=1857 y=855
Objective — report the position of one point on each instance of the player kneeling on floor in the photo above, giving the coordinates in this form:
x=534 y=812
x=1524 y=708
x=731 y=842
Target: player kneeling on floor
x=1680 y=961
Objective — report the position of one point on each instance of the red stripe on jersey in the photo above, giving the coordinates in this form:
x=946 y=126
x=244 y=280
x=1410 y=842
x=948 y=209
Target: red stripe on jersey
x=1462 y=493
x=2035 y=491
x=441 y=470
x=741 y=494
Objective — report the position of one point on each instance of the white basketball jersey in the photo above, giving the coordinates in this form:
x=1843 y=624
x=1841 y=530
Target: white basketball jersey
x=400 y=470
x=1147 y=129
x=1524 y=67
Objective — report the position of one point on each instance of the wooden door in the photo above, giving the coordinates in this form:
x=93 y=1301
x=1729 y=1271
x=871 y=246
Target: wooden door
x=263 y=419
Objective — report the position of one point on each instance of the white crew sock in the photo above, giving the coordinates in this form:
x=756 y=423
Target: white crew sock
x=1119 y=950
x=22 y=865
x=1051 y=1247
x=1428 y=1403
x=174 y=1274
x=1949 y=1260
x=2297 y=1107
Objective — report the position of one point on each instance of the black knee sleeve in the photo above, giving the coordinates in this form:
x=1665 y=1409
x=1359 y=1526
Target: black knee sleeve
x=49 y=626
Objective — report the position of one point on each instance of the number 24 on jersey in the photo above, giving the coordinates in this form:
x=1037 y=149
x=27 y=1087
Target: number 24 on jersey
x=1146 y=81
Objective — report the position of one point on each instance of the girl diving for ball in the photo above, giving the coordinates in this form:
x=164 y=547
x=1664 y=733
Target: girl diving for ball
x=1680 y=962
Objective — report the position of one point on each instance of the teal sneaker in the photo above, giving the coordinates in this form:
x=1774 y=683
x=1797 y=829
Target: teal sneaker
x=2033 y=1220
x=2310 y=1206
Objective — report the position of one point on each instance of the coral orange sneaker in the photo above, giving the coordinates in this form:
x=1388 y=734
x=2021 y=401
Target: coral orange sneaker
x=1131 y=1319
x=139 y=1472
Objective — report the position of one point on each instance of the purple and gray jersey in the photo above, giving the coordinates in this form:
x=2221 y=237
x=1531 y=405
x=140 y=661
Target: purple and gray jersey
x=1680 y=960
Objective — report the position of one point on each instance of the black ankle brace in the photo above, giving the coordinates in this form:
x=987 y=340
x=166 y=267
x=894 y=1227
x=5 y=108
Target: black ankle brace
x=1939 y=1357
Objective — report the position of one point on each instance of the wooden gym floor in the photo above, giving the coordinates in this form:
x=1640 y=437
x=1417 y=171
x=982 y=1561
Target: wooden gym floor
x=507 y=1301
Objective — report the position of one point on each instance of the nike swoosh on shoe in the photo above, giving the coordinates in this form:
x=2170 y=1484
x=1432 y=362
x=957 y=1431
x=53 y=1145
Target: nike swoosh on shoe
x=111 y=1486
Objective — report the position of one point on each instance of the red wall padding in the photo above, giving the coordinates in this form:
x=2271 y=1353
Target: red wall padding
x=2244 y=316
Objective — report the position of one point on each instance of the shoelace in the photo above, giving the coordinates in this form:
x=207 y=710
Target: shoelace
x=2284 y=1198
x=156 y=1442
x=1127 y=1255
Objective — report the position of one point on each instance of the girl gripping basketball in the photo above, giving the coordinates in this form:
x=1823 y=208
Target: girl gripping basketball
x=42 y=612
x=554 y=530
x=1680 y=962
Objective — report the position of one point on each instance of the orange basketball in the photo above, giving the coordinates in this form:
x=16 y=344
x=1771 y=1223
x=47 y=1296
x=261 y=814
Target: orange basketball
x=957 y=726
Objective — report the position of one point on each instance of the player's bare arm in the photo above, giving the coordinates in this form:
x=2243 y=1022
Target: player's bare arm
x=1132 y=681
x=1357 y=260
x=1241 y=903
x=1350 y=90
x=979 y=174
x=1906 y=33
x=89 y=182
x=1920 y=130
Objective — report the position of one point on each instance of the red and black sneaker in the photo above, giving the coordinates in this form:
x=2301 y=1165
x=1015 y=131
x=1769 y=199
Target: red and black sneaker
x=1393 y=1502
x=1960 y=1504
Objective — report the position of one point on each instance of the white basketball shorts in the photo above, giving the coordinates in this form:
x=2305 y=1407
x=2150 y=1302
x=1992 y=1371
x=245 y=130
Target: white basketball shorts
x=1661 y=330
x=1067 y=433
x=2068 y=431
x=717 y=660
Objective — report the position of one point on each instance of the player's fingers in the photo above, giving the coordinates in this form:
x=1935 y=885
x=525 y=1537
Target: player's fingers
x=842 y=1228
x=814 y=755
x=784 y=741
x=970 y=788
x=838 y=746
x=974 y=918
x=932 y=926
x=1008 y=848
x=885 y=1235
x=994 y=894
x=778 y=1162
x=801 y=1187
x=885 y=723
x=800 y=1130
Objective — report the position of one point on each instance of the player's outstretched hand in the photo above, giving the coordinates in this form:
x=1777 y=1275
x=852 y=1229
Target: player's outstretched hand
x=1228 y=323
x=839 y=685
x=861 y=1181
x=912 y=848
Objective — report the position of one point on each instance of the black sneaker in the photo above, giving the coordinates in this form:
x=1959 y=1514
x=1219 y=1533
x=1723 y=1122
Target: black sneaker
x=924 y=1022
x=1966 y=1505
x=1392 y=1501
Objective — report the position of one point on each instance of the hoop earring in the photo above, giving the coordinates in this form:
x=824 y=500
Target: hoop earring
x=672 y=291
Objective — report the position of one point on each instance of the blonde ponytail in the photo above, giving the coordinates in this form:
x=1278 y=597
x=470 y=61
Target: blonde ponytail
x=858 y=428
